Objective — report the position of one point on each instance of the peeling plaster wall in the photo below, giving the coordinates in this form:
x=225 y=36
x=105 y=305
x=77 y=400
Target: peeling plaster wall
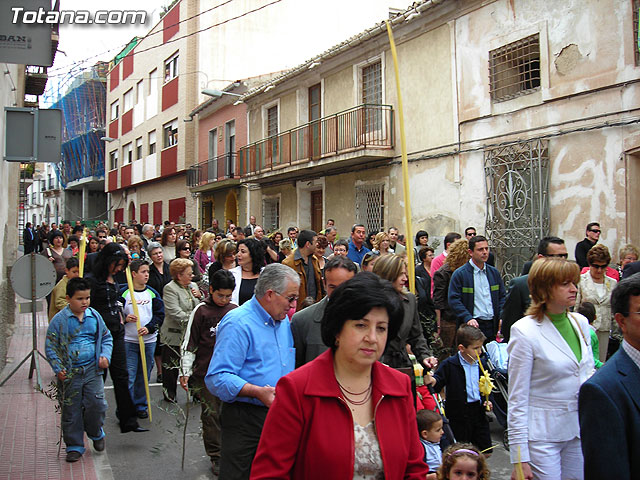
x=586 y=49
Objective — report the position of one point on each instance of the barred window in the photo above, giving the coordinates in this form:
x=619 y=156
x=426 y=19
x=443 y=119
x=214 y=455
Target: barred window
x=372 y=84
x=271 y=214
x=272 y=121
x=514 y=69
x=636 y=45
x=370 y=206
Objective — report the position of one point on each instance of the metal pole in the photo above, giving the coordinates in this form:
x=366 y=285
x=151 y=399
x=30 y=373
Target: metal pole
x=35 y=364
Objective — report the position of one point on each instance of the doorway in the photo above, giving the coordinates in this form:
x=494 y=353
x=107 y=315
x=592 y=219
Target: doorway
x=316 y=210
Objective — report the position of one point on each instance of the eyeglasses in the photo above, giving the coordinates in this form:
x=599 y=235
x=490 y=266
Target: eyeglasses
x=290 y=299
x=557 y=255
x=596 y=231
x=598 y=267
x=186 y=248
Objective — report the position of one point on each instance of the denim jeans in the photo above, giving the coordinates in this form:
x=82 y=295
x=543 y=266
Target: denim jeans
x=83 y=407
x=134 y=368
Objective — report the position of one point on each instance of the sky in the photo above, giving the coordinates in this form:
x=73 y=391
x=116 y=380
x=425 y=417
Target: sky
x=81 y=46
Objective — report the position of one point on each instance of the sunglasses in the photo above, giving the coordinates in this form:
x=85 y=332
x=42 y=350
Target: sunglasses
x=290 y=299
x=186 y=248
x=598 y=267
x=596 y=231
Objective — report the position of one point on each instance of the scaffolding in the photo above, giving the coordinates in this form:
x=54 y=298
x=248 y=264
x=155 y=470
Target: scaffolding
x=83 y=108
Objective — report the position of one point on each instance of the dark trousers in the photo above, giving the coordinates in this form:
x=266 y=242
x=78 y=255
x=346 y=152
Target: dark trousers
x=170 y=370
x=125 y=409
x=241 y=428
x=210 y=417
x=470 y=424
x=487 y=328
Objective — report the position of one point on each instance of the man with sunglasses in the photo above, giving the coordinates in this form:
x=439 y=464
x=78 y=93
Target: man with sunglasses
x=254 y=349
x=583 y=247
x=518 y=299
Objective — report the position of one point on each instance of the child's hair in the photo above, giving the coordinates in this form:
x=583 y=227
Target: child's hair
x=588 y=310
x=72 y=262
x=307 y=302
x=458 y=450
x=135 y=265
x=467 y=335
x=77 y=284
x=73 y=238
x=426 y=419
x=222 y=280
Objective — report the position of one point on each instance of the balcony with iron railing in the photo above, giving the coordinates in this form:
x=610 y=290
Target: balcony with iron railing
x=359 y=134
x=222 y=170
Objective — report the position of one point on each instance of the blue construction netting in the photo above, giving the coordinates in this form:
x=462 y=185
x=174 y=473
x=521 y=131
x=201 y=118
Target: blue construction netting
x=83 y=108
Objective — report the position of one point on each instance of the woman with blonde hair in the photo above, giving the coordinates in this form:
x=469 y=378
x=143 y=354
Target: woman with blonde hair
x=224 y=256
x=445 y=318
x=549 y=359
x=180 y=297
x=394 y=269
x=596 y=287
x=136 y=248
x=205 y=253
x=627 y=254
x=381 y=244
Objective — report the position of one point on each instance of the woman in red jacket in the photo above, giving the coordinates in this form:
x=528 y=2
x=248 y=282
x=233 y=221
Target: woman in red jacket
x=345 y=415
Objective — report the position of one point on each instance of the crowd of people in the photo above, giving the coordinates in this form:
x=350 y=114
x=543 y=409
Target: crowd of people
x=306 y=348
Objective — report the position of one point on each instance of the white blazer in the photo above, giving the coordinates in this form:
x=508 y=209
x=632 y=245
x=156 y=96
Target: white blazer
x=237 y=274
x=544 y=380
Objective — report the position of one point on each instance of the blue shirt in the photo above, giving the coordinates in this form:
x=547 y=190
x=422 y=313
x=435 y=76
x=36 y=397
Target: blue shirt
x=472 y=378
x=251 y=347
x=356 y=255
x=432 y=455
x=482 y=305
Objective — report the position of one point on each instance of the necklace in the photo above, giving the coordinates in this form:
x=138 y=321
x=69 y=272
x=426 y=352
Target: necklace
x=366 y=392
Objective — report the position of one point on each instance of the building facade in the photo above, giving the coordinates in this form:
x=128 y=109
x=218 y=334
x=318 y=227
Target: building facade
x=156 y=82
x=517 y=123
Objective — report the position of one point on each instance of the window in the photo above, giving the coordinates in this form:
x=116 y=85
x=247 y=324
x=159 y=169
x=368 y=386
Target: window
x=171 y=68
x=370 y=206
x=372 y=84
x=153 y=82
x=271 y=213
x=514 y=69
x=636 y=46
x=213 y=143
x=127 y=154
x=272 y=121
x=115 y=110
x=128 y=100
x=138 y=148
x=113 y=160
x=139 y=92
x=152 y=142
x=170 y=136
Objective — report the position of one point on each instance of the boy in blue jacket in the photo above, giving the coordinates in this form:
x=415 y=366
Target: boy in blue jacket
x=78 y=348
x=460 y=374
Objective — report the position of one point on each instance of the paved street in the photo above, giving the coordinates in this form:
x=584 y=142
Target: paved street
x=157 y=454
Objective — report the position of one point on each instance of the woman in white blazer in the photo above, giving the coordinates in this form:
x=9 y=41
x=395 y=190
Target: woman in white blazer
x=549 y=358
x=250 y=257
x=596 y=287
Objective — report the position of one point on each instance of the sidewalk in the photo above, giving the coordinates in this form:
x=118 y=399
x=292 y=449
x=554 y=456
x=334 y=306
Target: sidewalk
x=29 y=424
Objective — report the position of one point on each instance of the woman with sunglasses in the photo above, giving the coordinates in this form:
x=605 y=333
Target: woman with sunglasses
x=596 y=287
x=184 y=250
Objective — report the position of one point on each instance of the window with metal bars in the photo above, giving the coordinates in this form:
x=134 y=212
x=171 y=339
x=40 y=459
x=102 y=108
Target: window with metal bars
x=370 y=206
x=372 y=95
x=271 y=214
x=636 y=43
x=272 y=121
x=514 y=69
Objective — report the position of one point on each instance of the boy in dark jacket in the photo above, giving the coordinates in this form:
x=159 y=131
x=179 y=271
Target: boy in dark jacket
x=196 y=352
x=460 y=374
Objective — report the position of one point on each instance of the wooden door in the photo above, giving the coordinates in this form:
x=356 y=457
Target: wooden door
x=316 y=210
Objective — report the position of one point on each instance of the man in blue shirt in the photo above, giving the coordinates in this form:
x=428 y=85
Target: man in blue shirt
x=357 y=250
x=254 y=348
x=476 y=291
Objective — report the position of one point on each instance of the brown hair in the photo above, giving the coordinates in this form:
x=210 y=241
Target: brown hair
x=458 y=254
x=389 y=267
x=225 y=247
x=134 y=240
x=545 y=274
x=598 y=254
x=165 y=234
x=459 y=450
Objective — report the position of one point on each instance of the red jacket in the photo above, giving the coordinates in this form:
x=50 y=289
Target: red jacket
x=308 y=433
